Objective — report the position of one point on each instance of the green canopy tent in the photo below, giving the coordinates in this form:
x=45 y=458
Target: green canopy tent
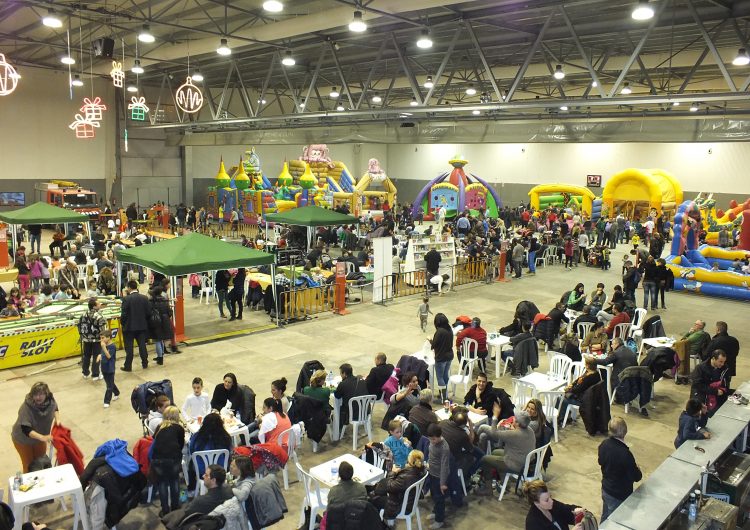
x=41 y=213
x=195 y=253
x=311 y=216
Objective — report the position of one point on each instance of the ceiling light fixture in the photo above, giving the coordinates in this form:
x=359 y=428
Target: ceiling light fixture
x=559 y=74
x=470 y=91
x=676 y=104
x=197 y=76
x=262 y=101
x=137 y=68
x=476 y=112
x=273 y=6
x=413 y=101
x=626 y=89
x=424 y=40
x=67 y=59
x=224 y=48
x=564 y=108
x=52 y=20
x=334 y=93
x=302 y=105
x=642 y=11
x=340 y=107
x=132 y=88
x=377 y=99
x=429 y=83
x=76 y=80
x=694 y=107
x=357 y=25
x=742 y=59
x=594 y=84
x=288 y=60
x=145 y=34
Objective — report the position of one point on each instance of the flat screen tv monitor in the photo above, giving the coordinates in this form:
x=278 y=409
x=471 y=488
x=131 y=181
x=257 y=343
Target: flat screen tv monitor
x=12 y=198
x=593 y=181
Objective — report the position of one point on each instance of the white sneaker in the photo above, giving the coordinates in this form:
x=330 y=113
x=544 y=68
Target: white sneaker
x=431 y=517
x=106 y=405
x=85 y=376
x=435 y=526
x=115 y=398
x=101 y=377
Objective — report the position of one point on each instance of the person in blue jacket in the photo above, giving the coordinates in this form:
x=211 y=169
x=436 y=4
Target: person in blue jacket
x=692 y=424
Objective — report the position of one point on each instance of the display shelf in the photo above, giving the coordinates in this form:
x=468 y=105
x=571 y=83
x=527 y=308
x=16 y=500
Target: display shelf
x=417 y=249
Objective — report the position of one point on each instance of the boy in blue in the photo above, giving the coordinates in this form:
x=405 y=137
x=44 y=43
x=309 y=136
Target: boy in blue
x=399 y=446
x=107 y=368
x=692 y=423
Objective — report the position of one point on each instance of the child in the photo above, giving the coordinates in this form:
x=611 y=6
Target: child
x=399 y=446
x=24 y=273
x=35 y=266
x=439 y=470
x=423 y=311
x=15 y=297
x=692 y=420
x=195 y=282
x=605 y=258
x=197 y=404
x=107 y=368
x=568 y=253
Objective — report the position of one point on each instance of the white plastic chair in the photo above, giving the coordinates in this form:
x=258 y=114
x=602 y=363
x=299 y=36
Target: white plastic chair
x=207 y=458
x=522 y=393
x=537 y=456
x=559 y=367
x=207 y=289
x=316 y=500
x=621 y=330
x=83 y=276
x=636 y=328
x=551 y=402
x=464 y=375
x=576 y=370
x=541 y=259
x=411 y=509
x=582 y=329
x=469 y=347
x=365 y=405
x=293 y=437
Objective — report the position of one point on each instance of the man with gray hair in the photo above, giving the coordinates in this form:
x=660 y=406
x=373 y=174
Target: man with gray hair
x=516 y=443
x=620 y=357
x=422 y=414
x=619 y=470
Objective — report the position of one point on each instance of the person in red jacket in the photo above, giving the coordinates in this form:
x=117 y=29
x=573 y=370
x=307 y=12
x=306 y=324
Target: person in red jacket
x=621 y=317
x=474 y=331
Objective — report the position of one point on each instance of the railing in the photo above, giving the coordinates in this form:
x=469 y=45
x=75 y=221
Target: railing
x=300 y=303
x=475 y=270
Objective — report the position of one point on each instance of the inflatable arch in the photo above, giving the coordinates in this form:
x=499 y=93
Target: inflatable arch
x=638 y=191
x=585 y=195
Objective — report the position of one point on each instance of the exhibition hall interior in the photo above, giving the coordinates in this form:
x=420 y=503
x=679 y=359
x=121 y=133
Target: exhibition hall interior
x=326 y=264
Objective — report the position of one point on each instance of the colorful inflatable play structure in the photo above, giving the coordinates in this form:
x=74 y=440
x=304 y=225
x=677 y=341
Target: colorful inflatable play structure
x=638 y=193
x=736 y=217
x=313 y=179
x=577 y=198
x=704 y=269
x=456 y=191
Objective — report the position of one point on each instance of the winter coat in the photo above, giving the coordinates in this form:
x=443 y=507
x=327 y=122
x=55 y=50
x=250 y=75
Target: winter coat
x=162 y=331
x=635 y=381
x=353 y=515
x=67 y=450
x=595 y=409
x=688 y=428
x=397 y=484
x=409 y=363
x=311 y=411
x=658 y=360
x=306 y=372
x=266 y=505
x=727 y=344
x=232 y=509
x=525 y=355
x=122 y=493
x=115 y=452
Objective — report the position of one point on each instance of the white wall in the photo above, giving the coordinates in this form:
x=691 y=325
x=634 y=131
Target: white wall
x=36 y=141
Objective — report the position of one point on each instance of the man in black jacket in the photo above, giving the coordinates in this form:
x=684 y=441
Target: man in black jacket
x=729 y=345
x=619 y=470
x=480 y=396
x=378 y=375
x=134 y=317
x=710 y=371
x=217 y=493
x=349 y=387
x=620 y=357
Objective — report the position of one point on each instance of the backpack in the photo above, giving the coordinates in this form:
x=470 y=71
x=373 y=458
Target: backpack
x=144 y=395
x=199 y=521
x=630 y=343
x=589 y=521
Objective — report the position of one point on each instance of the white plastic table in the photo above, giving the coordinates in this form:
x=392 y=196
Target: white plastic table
x=364 y=473
x=572 y=315
x=543 y=382
x=496 y=344
x=50 y=484
x=235 y=430
x=655 y=342
x=476 y=419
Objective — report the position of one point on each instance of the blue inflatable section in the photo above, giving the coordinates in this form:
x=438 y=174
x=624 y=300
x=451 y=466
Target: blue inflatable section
x=712 y=289
x=346 y=182
x=596 y=209
x=267 y=183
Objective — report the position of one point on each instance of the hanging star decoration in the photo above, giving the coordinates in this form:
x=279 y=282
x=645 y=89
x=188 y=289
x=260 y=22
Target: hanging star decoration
x=189 y=98
x=138 y=108
x=118 y=76
x=8 y=77
x=85 y=124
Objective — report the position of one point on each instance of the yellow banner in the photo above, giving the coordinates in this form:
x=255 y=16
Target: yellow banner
x=47 y=345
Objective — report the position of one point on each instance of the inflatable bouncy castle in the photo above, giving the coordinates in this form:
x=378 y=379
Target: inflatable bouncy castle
x=456 y=191
x=704 y=269
x=577 y=198
x=638 y=193
x=735 y=218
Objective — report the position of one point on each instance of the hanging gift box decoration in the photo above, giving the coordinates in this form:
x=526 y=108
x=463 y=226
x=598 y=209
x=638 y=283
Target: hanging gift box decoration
x=138 y=108
x=189 y=98
x=8 y=77
x=118 y=76
x=92 y=110
x=84 y=128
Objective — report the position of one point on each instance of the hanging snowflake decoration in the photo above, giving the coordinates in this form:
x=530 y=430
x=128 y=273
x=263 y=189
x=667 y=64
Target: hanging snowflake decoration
x=118 y=76
x=138 y=108
x=92 y=110
x=189 y=98
x=8 y=77
x=83 y=127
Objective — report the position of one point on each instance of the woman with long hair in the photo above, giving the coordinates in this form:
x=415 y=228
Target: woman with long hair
x=442 y=345
x=243 y=471
x=226 y=391
x=545 y=512
x=400 y=480
x=317 y=388
x=166 y=458
x=273 y=422
x=538 y=420
x=211 y=436
x=33 y=428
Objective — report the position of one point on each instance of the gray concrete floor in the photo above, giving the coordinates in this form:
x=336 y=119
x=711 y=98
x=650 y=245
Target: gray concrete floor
x=259 y=358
